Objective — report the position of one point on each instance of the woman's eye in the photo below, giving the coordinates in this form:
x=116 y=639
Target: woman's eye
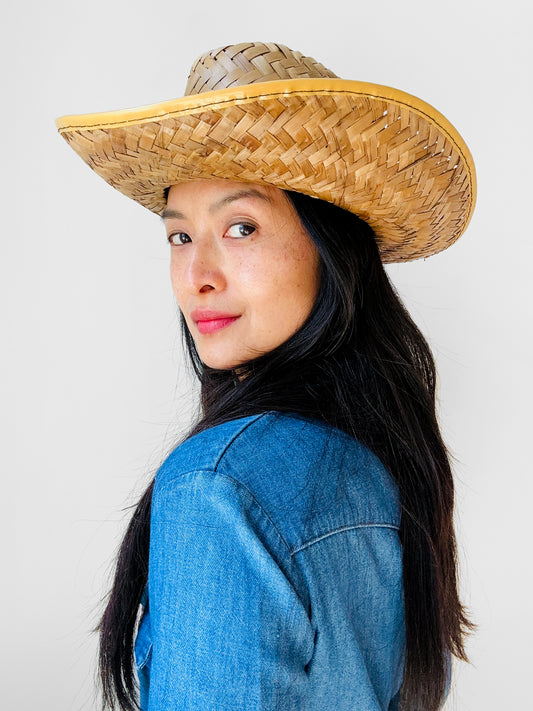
x=242 y=229
x=179 y=238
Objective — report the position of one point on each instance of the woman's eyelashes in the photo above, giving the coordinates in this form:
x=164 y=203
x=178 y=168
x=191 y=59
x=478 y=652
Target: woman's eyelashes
x=179 y=238
x=236 y=231
x=240 y=229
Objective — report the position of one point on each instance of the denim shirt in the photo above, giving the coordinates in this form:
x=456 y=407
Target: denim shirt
x=275 y=574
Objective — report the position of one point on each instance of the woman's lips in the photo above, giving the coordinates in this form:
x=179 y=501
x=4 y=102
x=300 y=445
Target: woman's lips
x=211 y=321
x=214 y=324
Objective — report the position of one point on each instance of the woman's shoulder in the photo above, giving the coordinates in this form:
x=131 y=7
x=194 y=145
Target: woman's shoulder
x=241 y=446
x=293 y=465
x=205 y=450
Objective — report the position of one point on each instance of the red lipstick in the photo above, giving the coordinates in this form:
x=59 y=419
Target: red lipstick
x=209 y=321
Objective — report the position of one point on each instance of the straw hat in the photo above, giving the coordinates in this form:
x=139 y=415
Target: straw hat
x=263 y=113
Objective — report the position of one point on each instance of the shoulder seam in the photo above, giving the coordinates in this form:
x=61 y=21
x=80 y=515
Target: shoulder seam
x=311 y=541
x=237 y=434
x=239 y=485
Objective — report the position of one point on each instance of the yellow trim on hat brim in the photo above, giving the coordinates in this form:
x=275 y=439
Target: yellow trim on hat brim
x=234 y=95
x=225 y=98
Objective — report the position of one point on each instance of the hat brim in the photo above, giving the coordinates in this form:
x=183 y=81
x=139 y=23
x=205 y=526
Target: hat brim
x=381 y=153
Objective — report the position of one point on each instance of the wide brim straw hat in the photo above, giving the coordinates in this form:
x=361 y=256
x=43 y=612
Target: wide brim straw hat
x=262 y=113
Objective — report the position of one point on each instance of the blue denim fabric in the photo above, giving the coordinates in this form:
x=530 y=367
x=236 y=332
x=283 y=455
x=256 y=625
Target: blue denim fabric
x=275 y=578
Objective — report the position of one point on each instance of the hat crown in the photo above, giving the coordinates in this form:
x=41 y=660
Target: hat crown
x=250 y=63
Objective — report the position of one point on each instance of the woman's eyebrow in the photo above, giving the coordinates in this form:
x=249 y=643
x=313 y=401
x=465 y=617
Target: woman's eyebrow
x=169 y=212
x=237 y=195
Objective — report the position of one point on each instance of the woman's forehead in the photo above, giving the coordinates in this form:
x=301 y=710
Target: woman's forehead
x=214 y=194
x=207 y=186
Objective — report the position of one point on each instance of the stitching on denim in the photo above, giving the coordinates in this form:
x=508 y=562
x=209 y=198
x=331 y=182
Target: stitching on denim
x=237 y=434
x=340 y=530
x=145 y=659
x=238 y=485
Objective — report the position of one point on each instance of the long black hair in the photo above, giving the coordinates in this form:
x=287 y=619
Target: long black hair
x=360 y=364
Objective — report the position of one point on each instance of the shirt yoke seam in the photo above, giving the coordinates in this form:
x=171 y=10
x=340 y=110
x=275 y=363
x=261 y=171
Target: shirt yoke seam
x=240 y=485
x=237 y=434
x=353 y=527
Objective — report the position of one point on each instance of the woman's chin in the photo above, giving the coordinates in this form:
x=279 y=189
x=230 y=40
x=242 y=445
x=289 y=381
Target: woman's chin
x=226 y=361
x=221 y=362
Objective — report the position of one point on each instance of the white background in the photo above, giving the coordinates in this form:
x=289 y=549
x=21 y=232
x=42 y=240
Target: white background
x=94 y=390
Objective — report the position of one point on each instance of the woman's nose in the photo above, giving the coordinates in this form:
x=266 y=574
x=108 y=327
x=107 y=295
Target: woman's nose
x=204 y=269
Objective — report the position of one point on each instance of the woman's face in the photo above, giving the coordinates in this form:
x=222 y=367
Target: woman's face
x=244 y=271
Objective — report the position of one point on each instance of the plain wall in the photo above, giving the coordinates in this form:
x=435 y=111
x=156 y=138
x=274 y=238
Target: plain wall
x=93 y=386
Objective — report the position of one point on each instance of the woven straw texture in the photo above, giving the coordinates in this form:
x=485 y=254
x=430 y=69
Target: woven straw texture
x=400 y=167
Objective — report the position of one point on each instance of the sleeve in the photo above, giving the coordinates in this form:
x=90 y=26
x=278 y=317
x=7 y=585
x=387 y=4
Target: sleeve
x=229 y=630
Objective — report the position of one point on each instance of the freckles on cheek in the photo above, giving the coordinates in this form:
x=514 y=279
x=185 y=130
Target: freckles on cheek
x=254 y=275
x=176 y=282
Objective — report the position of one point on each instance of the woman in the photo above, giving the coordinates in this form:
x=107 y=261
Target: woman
x=297 y=550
